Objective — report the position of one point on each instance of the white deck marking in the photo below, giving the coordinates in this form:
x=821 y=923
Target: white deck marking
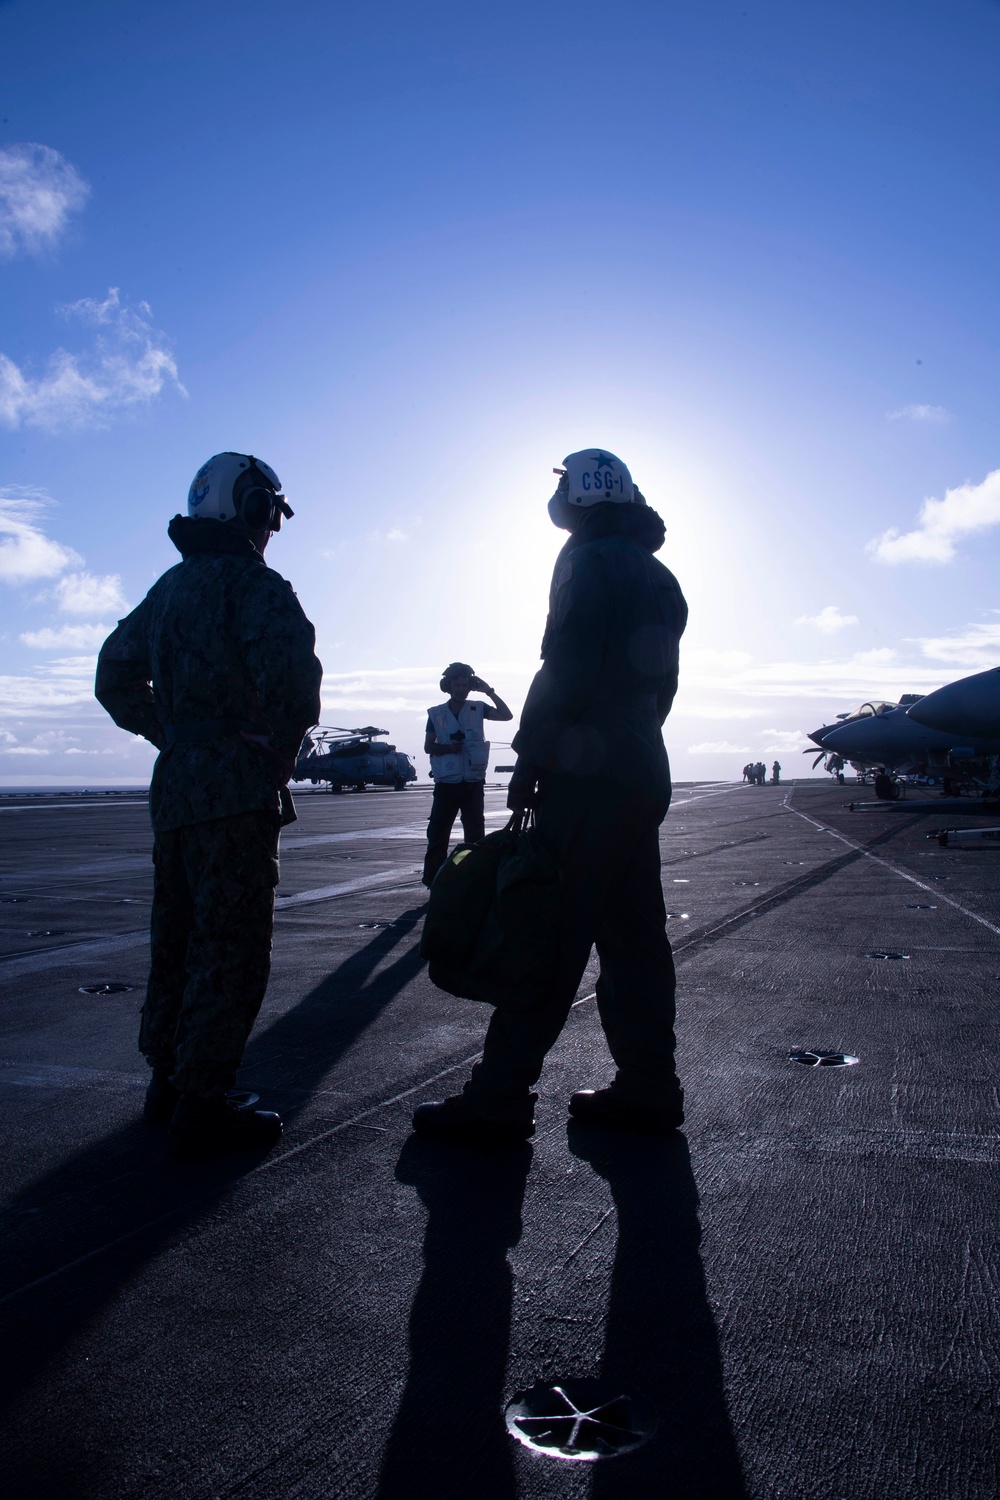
x=933 y=890
x=702 y=795
x=62 y=806
x=346 y=888
x=86 y=952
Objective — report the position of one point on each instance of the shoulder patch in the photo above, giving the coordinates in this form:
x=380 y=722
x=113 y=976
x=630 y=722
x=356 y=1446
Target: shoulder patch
x=565 y=574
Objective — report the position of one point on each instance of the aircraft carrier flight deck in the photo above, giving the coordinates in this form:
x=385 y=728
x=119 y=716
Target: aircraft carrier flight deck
x=802 y=1284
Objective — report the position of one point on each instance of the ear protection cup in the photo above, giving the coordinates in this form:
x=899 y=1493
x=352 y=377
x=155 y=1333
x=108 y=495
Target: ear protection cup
x=258 y=509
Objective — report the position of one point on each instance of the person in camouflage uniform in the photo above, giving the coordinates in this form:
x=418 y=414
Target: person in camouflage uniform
x=216 y=668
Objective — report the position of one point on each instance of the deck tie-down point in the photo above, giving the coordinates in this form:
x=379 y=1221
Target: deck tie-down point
x=883 y=953
x=110 y=987
x=580 y=1419
x=823 y=1059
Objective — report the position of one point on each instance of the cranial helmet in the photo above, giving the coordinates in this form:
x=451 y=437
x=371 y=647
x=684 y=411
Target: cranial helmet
x=593 y=476
x=216 y=493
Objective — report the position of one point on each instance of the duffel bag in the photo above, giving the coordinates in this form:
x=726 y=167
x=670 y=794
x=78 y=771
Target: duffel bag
x=491 y=930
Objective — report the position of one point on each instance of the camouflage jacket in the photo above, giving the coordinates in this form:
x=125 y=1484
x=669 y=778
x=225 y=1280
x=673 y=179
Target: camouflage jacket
x=219 y=644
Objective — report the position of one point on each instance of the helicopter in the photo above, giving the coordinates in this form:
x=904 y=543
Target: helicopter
x=352 y=758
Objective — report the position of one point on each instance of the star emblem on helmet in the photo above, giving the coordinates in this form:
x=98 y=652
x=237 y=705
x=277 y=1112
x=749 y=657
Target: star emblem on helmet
x=602 y=460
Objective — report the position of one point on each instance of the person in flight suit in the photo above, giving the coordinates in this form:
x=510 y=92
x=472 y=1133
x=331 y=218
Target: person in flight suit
x=216 y=668
x=592 y=762
x=459 y=755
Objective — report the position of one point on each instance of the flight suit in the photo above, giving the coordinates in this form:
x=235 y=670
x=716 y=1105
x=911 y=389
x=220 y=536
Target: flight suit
x=591 y=733
x=219 y=645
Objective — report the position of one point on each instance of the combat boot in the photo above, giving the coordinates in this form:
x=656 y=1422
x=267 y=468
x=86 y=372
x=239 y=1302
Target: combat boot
x=605 y=1107
x=456 y=1122
x=202 y=1128
x=161 y=1098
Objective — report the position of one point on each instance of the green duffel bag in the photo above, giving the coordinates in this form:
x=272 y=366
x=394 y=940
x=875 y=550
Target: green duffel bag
x=491 y=928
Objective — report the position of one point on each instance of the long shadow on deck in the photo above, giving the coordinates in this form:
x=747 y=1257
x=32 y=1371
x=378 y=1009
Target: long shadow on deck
x=448 y=1437
x=105 y=1211
x=661 y=1340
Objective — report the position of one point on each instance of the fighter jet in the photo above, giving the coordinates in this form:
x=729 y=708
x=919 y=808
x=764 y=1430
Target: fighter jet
x=834 y=762
x=890 y=741
x=969 y=707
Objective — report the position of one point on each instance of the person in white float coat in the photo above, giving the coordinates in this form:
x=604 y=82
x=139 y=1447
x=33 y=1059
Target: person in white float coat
x=459 y=753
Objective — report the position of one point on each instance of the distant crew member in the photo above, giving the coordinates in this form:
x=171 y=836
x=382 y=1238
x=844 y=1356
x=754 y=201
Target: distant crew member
x=775 y=774
x=216 y=668
x=591 y=759
x=459 y=753
x=748 y=773
x=760 y=773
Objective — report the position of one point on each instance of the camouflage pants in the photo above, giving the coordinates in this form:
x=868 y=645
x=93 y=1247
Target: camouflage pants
x=210 y=941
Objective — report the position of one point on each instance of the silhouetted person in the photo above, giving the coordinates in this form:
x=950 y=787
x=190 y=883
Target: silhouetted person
x=459 y=754
x=775 y=774
x=216 y=668
x=591 y=758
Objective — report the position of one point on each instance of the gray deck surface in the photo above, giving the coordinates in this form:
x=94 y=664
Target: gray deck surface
x=804 y=1283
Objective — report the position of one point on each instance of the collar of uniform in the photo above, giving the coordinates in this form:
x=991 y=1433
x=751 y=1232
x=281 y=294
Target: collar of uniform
x=639 y=523
x=192 y=536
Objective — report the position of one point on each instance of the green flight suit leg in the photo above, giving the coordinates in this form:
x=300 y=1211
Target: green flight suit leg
x=210 y=959
x=606 y=839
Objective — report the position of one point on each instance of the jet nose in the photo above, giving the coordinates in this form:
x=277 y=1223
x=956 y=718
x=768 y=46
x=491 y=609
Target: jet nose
x=817 y=734
x=969 y=707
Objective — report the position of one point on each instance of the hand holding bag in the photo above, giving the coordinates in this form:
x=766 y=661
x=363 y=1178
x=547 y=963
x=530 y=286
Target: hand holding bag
x=491 y=930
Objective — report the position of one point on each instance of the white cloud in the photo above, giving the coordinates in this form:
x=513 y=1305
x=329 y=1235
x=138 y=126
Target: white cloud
x=879 y=673
x=714 y=711
x=395 y=535
x=829 y=620
x=718 y=747
x=783 y=741
x=68 y=637
x=919 y=413
x=128 y=365
x=88 y=594
x=967 y=509
x=45 y=695
x=26 y=552
x=706 y=659
x=48 y=742
x=976 y=647
x=38 y=192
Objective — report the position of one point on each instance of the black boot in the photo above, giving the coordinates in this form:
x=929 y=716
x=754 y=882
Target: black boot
x=605 y=1107
x=161 y=1098
x=202 y=1128
x=455 y=1122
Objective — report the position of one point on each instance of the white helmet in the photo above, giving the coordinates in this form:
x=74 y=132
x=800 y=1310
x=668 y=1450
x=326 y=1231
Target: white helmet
x=211 y=496
x=593 y=476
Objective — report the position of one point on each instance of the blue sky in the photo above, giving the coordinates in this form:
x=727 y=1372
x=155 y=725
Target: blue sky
x=412 y=256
